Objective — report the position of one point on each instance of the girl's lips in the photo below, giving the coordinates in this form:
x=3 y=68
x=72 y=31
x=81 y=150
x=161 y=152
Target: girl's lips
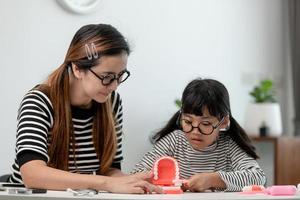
x=197 y=140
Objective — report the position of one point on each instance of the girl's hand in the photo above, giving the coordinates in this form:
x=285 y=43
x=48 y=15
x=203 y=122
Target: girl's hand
x=133 y=184
x=199 y=182
x=204 y=181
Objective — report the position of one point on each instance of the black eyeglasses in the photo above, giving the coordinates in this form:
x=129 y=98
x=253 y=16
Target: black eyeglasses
x=206 y=128
x=109 y=78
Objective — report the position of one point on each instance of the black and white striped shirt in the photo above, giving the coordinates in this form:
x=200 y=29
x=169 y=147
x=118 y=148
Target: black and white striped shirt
x=235 y=167
x=35 y=120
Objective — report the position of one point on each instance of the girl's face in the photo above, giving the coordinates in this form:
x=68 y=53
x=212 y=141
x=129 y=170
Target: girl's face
x=209 y=125
x=110 y=67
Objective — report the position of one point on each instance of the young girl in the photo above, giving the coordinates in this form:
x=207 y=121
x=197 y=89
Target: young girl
x=69 y=132
x=212 y=150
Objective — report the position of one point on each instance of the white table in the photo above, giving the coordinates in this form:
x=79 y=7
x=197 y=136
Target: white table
x=58 y=195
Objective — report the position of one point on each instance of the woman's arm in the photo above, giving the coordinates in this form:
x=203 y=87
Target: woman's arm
x=36 y=174
x=34 y=122
x=114 y=172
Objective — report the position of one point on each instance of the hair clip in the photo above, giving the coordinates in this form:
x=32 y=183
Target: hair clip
x=91 y=51
x=88 y=52
x=94 y=51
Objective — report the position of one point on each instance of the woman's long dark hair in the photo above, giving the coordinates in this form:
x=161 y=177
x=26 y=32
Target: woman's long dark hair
x=107 y=41
x=213 y=95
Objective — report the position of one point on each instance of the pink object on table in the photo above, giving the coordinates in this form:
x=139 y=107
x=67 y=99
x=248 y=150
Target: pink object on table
x=282 y=190
x=166 y=174
x=254 y=189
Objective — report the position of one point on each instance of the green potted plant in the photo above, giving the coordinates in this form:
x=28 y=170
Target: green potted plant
x=264 y=92
x=264 y=111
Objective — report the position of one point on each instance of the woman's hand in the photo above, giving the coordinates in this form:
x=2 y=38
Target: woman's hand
x=136 y=184
x=55 y=179
x=204 y=181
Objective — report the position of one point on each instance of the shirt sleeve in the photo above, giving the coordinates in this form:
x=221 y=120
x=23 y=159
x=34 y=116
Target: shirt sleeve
x=118 y=116
x=164 y=147
x=33 y=125
x=245 y=170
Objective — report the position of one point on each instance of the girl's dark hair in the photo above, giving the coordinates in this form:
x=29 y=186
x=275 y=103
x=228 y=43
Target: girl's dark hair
x=213 y=95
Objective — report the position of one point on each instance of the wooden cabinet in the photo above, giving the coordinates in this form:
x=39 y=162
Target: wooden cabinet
x=285 y=158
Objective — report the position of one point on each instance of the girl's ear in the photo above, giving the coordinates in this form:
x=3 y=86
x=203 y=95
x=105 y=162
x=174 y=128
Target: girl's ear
x=225 y=124
x=76 y=71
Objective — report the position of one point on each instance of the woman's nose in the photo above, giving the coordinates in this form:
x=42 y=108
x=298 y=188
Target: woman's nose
x=113 y=86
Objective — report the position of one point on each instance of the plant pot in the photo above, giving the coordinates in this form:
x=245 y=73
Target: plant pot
x=263 y=113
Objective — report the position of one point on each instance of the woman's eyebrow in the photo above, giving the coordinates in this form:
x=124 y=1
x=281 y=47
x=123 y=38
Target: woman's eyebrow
x=110 y=72
x=106 y=72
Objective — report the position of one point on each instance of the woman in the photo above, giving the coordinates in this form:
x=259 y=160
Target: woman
x=70 y=127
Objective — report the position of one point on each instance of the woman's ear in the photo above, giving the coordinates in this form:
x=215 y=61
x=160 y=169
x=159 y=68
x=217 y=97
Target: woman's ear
x=225 y=124
x=76 y=71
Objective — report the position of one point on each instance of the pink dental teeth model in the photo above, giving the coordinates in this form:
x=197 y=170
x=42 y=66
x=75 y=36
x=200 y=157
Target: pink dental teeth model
x=166 y=174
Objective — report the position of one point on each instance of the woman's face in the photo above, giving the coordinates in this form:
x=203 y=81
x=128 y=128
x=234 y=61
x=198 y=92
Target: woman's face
x=110 y=66
x=206 y=124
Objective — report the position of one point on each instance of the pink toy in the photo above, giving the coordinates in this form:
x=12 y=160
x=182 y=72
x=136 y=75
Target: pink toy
x=282 y=190
x=254 y=189
x=166 y=174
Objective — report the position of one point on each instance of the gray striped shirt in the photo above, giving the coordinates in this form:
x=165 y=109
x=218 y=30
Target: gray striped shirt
x=235 y=167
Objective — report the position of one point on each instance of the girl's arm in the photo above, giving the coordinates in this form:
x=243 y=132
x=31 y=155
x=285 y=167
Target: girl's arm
x=205 y=181
x=245 y=170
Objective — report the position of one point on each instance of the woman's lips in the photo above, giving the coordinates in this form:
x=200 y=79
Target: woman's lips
x=104 y=94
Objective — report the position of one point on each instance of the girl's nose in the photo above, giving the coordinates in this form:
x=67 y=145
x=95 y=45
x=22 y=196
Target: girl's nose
x=196 y=130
